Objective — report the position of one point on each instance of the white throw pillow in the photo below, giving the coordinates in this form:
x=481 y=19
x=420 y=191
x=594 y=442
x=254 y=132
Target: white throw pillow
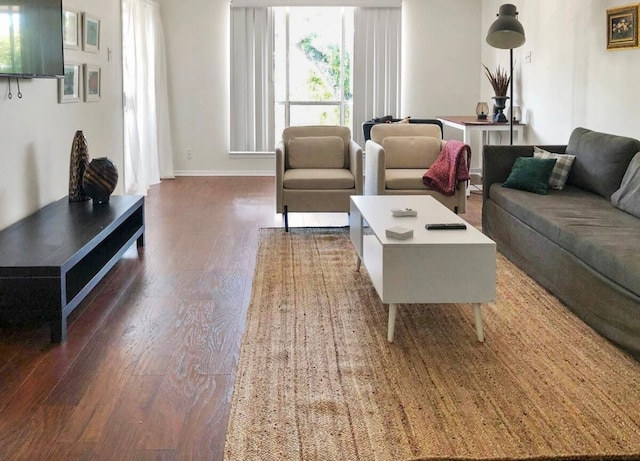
x=562 y=168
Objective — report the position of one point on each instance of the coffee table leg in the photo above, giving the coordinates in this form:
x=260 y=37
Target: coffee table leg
x=479 y=332
x=393 y=309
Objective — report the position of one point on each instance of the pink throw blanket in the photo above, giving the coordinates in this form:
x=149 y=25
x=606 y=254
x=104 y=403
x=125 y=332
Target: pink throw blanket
x=449 y=168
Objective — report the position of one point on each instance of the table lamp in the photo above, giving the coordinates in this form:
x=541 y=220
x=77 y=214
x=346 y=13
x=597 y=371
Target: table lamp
x=506 y=32
x=482 y=109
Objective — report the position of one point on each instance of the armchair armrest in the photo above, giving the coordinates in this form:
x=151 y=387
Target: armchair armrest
x=280 y=152
x=497 y=162
x=355 y=164
x=374 y=169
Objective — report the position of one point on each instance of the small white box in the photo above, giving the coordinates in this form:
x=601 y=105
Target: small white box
x=399 y=233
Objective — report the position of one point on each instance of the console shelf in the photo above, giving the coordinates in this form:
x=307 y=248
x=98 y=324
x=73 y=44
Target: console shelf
x=52 y=259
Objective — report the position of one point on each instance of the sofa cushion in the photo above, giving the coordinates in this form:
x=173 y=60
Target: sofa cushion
x=404 y=179
x=530 y=174
x=601 y=160
x=318 y=179
x=561 y=169
x=584 y=224
x=627 y=198
x=410 y=151
x=316 y=152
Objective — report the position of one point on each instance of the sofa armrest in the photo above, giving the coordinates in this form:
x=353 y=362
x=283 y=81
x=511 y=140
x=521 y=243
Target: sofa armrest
x=280 y=152
x=497 y=162
x=355 y=164
x=374 y=168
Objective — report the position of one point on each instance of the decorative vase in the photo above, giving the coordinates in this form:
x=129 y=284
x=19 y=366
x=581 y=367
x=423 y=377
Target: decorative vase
x=77 y=166
x=100 y=179
x=498 y=109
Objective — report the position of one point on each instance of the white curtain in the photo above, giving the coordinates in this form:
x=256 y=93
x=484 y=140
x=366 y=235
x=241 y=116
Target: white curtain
x=252 y=100
x=376 y=70
x=148 y=152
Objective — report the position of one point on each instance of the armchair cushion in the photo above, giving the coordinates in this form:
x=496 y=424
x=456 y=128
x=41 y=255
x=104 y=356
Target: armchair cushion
x=318 y=179
x=410 y=151
x=316 y=152
x=404 y=179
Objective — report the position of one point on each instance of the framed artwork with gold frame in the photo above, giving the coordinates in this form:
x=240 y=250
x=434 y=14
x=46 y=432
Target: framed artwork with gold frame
x=622 y=27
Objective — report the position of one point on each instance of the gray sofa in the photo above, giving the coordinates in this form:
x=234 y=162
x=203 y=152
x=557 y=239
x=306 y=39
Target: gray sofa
x=574 y=241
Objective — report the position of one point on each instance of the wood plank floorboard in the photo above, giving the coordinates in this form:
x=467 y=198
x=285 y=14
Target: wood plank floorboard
x=147 y=371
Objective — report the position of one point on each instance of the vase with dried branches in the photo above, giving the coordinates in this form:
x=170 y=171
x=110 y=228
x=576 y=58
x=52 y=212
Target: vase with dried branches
x=500 y=82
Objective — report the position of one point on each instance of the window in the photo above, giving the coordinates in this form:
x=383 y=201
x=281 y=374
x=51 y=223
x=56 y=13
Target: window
x=313 y=50
x=300 y=65
x=10 y=49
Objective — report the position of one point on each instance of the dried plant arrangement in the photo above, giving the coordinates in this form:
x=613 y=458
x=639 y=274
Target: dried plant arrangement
x=499 y=81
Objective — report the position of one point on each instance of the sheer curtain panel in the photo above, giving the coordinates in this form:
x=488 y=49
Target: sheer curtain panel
x=148 y=151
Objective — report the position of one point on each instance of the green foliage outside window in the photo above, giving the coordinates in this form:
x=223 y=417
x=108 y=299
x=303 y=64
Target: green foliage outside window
x=326 y=81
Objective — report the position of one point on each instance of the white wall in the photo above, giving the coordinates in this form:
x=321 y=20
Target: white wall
x=440 y=57
x=198 y=51
x=197 y=40
x=36 y=131
x=572 y=79
x=441 y=61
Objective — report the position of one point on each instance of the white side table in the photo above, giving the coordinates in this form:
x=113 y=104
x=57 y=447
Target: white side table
x=468 y=124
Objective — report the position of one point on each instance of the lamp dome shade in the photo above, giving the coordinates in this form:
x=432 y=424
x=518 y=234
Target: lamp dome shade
x=506 y=32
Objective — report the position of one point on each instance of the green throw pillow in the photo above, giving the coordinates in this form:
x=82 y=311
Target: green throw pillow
x=531 y=174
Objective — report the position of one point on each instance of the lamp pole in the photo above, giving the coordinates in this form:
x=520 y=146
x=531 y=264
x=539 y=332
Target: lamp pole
x=511 y=96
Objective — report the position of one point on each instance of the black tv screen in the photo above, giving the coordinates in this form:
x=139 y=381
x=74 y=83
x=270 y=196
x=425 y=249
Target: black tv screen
x=31 y=38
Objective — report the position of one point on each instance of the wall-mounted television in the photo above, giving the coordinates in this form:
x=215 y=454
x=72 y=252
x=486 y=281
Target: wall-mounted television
x=31 y=38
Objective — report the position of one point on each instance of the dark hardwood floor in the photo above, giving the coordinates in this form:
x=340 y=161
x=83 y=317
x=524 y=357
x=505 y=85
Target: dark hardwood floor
x=147 y=371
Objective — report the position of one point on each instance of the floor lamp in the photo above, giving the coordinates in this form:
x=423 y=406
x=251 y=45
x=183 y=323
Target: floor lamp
x=506 y=32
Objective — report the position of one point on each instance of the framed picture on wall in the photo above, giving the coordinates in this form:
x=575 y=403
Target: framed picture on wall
x=71 y=27
x=92 y=82
x=90 y=33
x=69 y=87
x=622 y=27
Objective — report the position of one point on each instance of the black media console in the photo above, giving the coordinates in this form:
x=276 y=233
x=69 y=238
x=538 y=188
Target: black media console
x=52 y=259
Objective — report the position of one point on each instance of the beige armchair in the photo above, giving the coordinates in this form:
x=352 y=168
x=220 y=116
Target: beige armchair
x=397 y=156
x=317 y=169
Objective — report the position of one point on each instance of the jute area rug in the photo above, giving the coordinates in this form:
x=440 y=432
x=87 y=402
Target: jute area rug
x=317 y=379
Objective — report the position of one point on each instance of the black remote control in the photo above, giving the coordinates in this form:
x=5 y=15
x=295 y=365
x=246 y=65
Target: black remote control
x=446 y=226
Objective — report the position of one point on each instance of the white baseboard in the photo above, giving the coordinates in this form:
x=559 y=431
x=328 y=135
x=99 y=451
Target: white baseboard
x=224 y=173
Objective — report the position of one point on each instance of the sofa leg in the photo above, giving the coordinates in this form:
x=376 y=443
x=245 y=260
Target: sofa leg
x=455 y=209
x=286 y=219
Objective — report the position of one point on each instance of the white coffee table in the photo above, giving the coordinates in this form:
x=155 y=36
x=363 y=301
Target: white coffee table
x=434 y=266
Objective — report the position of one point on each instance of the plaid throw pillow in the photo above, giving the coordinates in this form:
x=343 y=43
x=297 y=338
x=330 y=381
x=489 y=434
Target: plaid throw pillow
x=561 y=169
